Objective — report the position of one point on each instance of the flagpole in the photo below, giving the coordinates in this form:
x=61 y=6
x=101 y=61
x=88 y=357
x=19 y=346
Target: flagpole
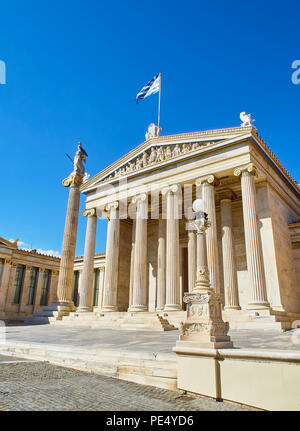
x=159 y=102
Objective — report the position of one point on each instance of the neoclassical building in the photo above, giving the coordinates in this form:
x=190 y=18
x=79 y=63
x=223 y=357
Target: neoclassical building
x=252 y=245
x=28 y=280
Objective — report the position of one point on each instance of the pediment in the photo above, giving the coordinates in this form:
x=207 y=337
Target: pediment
x=161 y=151
x=6 y=243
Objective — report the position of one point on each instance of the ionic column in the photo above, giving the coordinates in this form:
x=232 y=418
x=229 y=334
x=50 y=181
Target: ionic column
x=53 y=286
x=132 y=262
x=191 y=259
x=101 y=286
x=229 y=268
x=24 y=292
x=252 y=239
x=38 y=289
x=112 y=259
x=139 y=292
x=86 y=282
x=65 y=280
x=161 y=266
x=4 y=283
x=208 y=184
x=172 y=250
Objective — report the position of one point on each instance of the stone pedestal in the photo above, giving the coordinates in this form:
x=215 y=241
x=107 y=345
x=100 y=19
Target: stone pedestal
x=86 y=281
x=203 y=327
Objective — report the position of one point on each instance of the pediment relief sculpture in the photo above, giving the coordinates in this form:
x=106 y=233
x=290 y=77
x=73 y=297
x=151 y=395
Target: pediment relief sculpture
x=156 y=155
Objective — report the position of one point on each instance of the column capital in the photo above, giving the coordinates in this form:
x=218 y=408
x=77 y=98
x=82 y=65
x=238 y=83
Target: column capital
x=112 y=205
x=207 y=179
x=73 y=180
x=227 y=194
x=55 y=272
x=28 y=267
x=139 y=198
x=13 y=264
x=249 y=169
x=174 y=188
x=41 y=269
x=91 y=212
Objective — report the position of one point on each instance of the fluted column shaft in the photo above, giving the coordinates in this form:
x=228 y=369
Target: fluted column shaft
x=112 y=258
x=208 y=195
x=132 y=262
x=229 y=268
x=65 y=280
x=161 y=265
x=86 y=282
x=191 y=259
x=172 y=250
x=139 y=288
x=253 y=240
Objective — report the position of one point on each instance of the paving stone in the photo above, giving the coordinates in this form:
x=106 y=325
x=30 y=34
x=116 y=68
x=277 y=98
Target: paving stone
x=40 y=386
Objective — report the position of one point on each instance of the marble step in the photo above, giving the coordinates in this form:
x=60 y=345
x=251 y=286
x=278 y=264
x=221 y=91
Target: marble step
x=155 y=369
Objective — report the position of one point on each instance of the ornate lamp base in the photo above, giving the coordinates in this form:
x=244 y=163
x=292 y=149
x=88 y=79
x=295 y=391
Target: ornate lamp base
x=204 y=327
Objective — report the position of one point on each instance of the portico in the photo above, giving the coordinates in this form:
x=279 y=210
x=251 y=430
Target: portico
x=147 y=196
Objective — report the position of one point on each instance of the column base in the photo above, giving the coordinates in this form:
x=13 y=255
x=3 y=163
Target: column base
x=232 y=307
x=109 y=308
x=258 y=306
x=137 y=308
x=84 y=310
x=172 y=307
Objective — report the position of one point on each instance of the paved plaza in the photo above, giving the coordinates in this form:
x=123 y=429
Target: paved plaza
x=157 y=342
x=39 y=386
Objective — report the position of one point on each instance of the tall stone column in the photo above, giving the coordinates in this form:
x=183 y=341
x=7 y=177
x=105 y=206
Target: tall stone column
x=24 y=293
x=38 y=289
x=255 y=265
x=53 y=286
x=208 y=184
x=65 y=279
x=132 y=262
x=139 y=293
x=229 y=268
x=101 y=286
x=112 y=258
x=172 y=249
x=86 y=282
x=191 y=259
x=161 y=266
x=4 y=283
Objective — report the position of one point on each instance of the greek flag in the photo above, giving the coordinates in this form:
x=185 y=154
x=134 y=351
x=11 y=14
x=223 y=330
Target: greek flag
x=150 y=88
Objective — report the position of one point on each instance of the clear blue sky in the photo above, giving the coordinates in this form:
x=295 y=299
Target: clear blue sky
x=74 y=68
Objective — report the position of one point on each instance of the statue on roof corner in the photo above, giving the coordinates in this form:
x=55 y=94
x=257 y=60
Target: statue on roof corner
x=152 y=131
x=246 y=119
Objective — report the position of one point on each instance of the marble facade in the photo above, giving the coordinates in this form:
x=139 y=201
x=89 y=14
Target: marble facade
x=254 y=209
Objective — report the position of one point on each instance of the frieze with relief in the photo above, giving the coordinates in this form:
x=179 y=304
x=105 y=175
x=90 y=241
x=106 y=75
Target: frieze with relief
x=156 y=155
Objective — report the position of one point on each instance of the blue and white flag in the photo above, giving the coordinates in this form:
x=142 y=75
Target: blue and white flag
x=150 y=88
